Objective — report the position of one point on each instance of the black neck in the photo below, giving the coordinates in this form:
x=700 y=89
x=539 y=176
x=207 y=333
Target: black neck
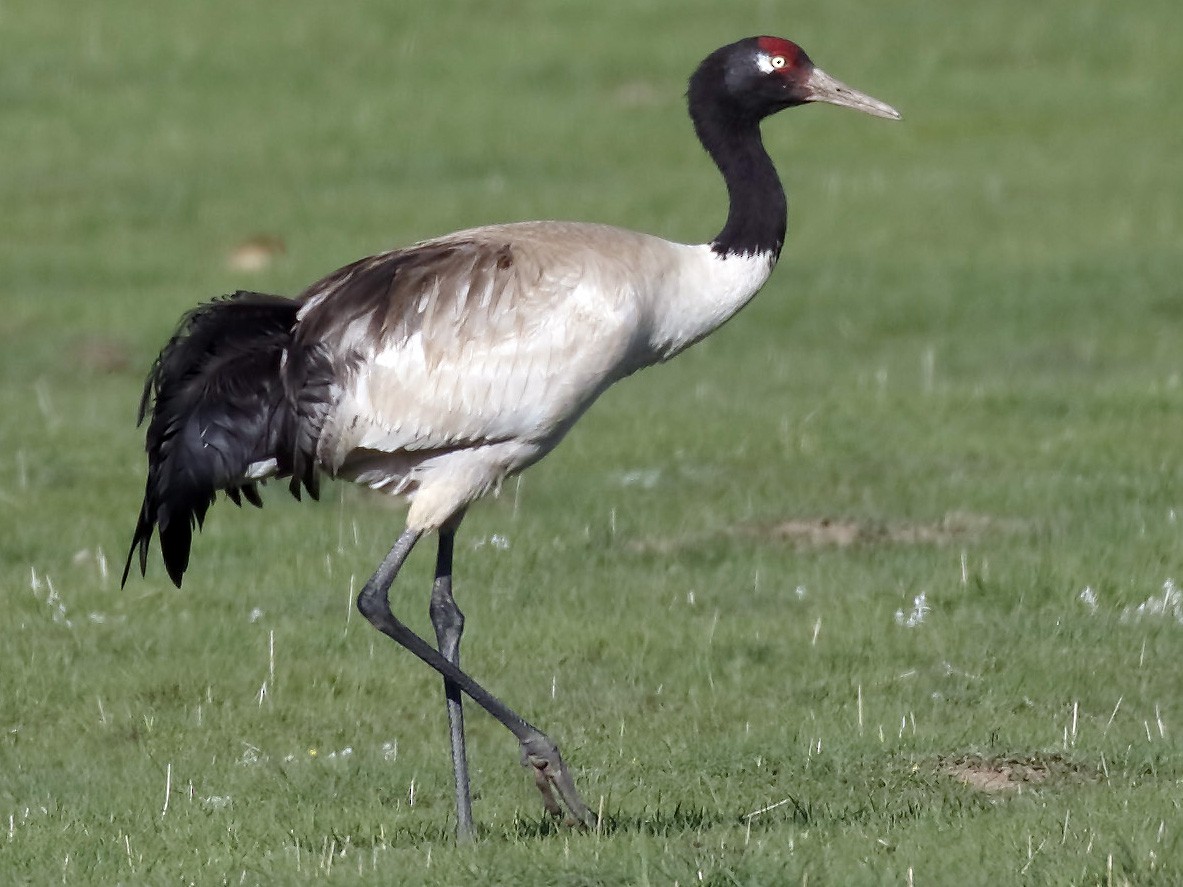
x=757 y=218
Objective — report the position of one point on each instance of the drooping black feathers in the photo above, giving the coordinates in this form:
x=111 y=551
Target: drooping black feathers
x=221 y=402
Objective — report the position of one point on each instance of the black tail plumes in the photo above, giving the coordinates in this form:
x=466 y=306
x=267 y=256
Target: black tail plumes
x=219 y=404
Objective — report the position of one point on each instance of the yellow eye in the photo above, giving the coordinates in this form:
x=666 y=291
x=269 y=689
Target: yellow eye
x=778 y=61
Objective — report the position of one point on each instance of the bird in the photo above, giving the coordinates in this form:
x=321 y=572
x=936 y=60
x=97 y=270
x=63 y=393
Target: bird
x=435 y=371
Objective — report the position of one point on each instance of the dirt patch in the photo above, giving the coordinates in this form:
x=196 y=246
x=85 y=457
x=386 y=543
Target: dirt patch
x=1012 y=774
x=818 y=532
x=812 y=532
x=256 y=253
x=830 y=532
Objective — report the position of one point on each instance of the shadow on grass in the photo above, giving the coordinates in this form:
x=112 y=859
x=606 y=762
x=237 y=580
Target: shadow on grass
x=682 y=819
x=649 y=822
x=904 y=792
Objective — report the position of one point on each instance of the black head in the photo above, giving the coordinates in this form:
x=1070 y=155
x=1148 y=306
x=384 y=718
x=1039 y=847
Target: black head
x=758 y=76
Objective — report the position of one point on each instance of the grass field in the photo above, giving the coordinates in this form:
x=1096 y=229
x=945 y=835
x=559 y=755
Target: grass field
x=962 y=385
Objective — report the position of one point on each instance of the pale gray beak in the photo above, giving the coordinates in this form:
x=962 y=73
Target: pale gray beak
x=824 y=88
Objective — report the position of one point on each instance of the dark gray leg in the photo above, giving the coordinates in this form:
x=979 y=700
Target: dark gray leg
x=538 y=751
x=449 y=625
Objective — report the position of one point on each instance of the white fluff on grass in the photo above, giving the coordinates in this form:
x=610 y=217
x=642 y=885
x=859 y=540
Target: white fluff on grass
x=920 y=609
x=1168 y=605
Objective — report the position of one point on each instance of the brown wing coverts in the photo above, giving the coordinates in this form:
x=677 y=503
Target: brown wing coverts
x=440 y=287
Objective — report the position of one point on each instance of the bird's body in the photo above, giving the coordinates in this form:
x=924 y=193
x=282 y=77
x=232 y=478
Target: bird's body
x=436 y=371
x=465 y=359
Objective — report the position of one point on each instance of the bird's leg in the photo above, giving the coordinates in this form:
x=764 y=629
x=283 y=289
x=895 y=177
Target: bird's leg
x=449 y=625
x=538 y=750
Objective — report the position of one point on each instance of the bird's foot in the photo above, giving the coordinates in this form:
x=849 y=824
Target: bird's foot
x=552 y=776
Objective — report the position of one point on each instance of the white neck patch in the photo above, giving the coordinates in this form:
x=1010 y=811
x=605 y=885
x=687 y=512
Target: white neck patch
x=706 y=293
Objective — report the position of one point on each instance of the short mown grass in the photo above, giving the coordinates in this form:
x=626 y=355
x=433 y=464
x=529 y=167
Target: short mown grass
x=880 y=584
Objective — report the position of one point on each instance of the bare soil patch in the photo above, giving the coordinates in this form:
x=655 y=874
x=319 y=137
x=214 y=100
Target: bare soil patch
x=817 y=532
x=1013 y=774
x=834 y=532
x=256 y=253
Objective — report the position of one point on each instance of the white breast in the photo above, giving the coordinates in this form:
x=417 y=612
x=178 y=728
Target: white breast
x=708 y=290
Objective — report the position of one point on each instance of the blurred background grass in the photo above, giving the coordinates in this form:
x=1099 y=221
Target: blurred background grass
x=967 y=363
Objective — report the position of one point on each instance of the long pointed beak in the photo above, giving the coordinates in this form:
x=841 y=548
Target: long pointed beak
x=824 y=88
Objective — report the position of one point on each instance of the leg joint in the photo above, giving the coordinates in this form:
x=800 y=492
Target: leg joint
x=445 y=614
x=373 y=605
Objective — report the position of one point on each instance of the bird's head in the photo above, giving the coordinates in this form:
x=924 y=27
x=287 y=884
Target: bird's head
x=759 y=76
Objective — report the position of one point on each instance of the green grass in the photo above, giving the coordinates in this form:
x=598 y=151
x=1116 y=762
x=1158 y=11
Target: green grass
x=969 y=359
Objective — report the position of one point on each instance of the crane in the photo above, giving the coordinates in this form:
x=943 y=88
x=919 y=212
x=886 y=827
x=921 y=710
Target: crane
x=433 y=372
